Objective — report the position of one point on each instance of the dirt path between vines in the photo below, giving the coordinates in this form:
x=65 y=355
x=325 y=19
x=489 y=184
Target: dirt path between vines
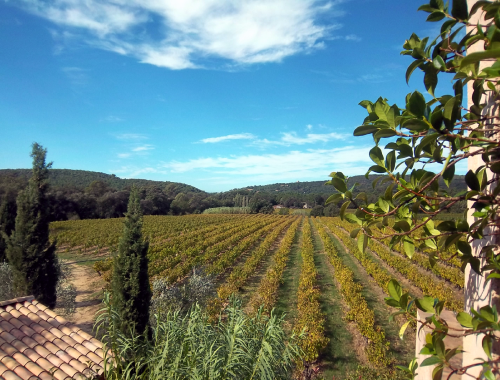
x=89 y=287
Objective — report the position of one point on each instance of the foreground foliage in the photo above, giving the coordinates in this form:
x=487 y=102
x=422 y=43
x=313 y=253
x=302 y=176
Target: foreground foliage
x=438 y=135
x=190 y=347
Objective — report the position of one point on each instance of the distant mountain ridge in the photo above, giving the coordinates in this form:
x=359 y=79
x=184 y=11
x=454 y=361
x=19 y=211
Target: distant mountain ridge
x=81 y=179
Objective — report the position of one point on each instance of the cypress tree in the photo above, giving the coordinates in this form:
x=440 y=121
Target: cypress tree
x=131 y=293
x=29 y=251
x=7 y=223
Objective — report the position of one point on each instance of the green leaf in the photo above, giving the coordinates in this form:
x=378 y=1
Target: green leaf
x=472 y=181
x=403 y=329
x=339 y=184
x=479 y=56
x=438 y=62
x=394 y=289
x=362 y=243
x=377 y=169
x=465 y=319
x=416 y=104
x=430 y=81
x=435 y=16
x=334 y=198
x=343 y=208
x=409 y=247
x=354 y=233
x=437 y=372
x=425 y=304
x=365 y=130
x=448 y=175
x=488 y=375
x=464 y=248
x=416 y=125
x=390 y=161
x=459 y=9
x=384 y=133
x=352 y=218
x=382 y=203
x=377 y=156
x=430 y=361
x=487 y=345
x=412 y=68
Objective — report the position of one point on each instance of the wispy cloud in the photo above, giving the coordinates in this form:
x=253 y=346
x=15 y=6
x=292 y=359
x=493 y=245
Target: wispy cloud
x=349 y=37
x=131 y=136
x=291 y=138
x=112 y=119
x=143 y=148
x=76 y=75
x=239 y=136
x=187 y=34
x=294 y=164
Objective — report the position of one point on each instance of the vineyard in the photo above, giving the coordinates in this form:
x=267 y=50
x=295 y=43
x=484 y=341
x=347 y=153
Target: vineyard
x=309 y=268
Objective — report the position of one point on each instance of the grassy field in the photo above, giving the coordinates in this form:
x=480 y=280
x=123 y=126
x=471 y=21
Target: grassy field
x=293 y=263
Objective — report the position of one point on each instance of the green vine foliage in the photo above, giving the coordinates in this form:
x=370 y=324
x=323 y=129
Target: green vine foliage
x=417 y=148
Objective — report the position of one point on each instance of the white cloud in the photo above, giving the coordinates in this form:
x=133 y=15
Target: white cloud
x=143 y=148
x=239 y=136
x=293 y=164
x=181 y=34
x=124 y=155
x=131 y=136
x=291 y=138
x=309 y=127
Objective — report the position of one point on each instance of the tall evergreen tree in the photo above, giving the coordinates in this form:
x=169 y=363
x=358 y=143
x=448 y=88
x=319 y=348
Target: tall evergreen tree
x=130 y=283
x=7 y=223
x=29 y=251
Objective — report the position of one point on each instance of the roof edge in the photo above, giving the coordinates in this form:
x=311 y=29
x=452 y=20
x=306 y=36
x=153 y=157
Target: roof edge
x=16 y=300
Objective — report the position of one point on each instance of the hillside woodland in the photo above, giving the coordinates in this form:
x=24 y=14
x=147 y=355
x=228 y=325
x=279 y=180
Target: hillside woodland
x=80 y=194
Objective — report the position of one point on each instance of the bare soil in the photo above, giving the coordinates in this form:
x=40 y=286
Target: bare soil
x=89 y=289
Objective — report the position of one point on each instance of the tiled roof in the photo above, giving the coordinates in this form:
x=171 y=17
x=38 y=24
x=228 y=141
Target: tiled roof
x=36 y=343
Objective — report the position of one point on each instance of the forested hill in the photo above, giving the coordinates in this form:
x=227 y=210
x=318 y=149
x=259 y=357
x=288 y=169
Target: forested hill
x=81 y=179
x=319 y=187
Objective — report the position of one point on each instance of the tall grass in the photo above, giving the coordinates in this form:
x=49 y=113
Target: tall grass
x=227 y=210
x=187 y=346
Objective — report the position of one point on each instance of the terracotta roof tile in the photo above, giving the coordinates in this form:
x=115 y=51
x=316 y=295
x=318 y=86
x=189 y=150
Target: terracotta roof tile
x=3 y=369
x=23 y=373
x=34 y=318
x=61 y=344
x=64 y=356
x=19 y=345
x=9 y=375
x=69 y=340
x=35 y=369
x=6 y=326
x=68 y=369
x=46 y=365
x=29 y=342
x=32 y=355
x=20 y=358
x=60 y=375
x=8 y=349
x=56 y=332
x=55 y=360
x=7 y=336
x=10 y=363
x=45 y=376
x=35 y=343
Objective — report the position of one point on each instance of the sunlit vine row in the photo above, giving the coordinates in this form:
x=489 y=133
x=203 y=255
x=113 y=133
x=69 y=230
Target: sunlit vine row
x=310 y=318
x=358 y=312
x=426 y=282
x=266 y=294
x=240 y=274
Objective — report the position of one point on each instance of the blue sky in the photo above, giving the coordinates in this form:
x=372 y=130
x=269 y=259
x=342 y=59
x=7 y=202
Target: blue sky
x=218 y=94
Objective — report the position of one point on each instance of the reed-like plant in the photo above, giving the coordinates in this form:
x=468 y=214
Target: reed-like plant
x=188 y=346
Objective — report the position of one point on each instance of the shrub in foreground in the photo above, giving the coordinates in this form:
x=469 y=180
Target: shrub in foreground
x=190 y=347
